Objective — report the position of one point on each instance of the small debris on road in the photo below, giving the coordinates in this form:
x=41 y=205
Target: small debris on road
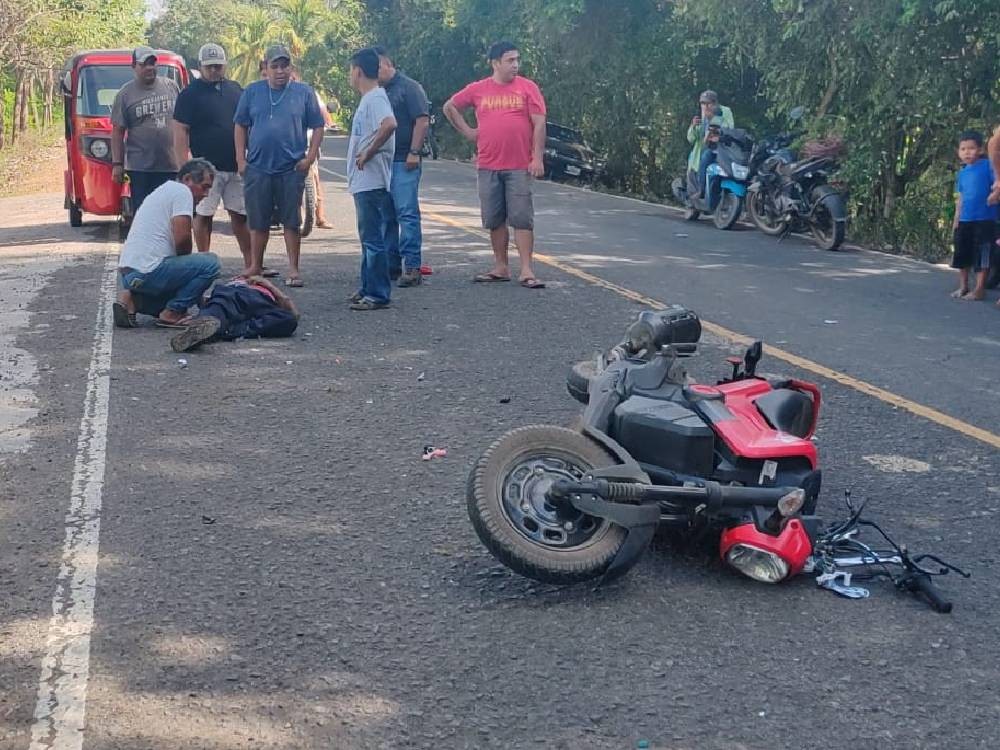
x=420 y=377
x=831 y=322
x=207 y=520
x=681 y=234
x=430 y=452
x=505 y=400
x=182 y=363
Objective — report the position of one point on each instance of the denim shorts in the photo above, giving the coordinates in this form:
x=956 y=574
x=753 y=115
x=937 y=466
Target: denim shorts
x=505 y=196
x=265 y=195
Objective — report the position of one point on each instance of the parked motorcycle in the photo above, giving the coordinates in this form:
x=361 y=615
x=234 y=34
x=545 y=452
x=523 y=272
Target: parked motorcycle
x=727 y=179
x=788 y=195
x=654 y=449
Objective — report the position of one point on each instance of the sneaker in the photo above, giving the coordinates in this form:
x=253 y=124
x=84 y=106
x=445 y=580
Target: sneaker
x=195 y=334
x=356 y=297
x=411 y=277
x=368 y=304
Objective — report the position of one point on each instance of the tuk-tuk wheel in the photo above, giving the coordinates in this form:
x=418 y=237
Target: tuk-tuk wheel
x=75 y=215
x=123 y=227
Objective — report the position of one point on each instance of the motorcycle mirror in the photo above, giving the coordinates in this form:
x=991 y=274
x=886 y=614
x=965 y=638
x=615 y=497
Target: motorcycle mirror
x=752 y=357
x=796 y=113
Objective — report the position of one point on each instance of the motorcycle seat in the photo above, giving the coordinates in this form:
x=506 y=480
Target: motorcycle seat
x=787 y=410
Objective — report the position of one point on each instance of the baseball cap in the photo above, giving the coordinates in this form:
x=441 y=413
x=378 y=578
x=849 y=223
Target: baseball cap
x=211 y=54
x=141 y=54
x=276 y=52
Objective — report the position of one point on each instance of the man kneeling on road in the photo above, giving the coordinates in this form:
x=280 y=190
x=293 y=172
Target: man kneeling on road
x=159 y=275
x=245 y=308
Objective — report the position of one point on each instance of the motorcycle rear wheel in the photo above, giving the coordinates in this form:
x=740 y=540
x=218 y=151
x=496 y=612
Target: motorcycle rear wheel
x=828 y=233
x=308 y=208
x=505 y=496
x=728 y=212
x=757 y=208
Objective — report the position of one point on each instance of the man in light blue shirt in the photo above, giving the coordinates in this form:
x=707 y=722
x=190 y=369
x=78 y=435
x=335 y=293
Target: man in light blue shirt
x=271 y=121
x=369 y=174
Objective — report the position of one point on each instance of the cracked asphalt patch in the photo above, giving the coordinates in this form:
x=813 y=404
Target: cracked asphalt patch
x=340 y=598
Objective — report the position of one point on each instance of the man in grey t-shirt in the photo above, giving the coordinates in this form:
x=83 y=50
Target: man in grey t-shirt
x=369 y=174
x=141 y=139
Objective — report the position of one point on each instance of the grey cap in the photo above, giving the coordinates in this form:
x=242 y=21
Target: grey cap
x=211 y=54
x=276 y=52
x=709 y=96
x=141 y=54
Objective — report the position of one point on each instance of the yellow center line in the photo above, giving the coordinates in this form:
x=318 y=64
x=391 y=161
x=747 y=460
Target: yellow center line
x=893 y=399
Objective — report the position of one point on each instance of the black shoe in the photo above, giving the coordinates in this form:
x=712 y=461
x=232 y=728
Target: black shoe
x=367 y=304
x=411 y=277
x=195 y=334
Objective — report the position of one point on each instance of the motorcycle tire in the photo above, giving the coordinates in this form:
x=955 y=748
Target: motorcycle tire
x=828 y=233
x=757 y=208
x=308 y=206
x=517 y=539
x=729 y=210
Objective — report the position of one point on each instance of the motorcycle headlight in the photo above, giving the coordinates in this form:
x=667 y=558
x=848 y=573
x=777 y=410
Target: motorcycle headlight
x=757 y=563
x=99 y=148
x=740 y=172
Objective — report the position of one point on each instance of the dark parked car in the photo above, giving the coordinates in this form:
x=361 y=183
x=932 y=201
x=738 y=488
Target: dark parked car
x=568 y=157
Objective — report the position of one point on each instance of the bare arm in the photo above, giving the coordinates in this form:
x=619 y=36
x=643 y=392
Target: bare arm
x=455 y=117
x=313 y=154
x=280 y=298
x=117 y=153
x=180 y=226
x=420 y=126
x=182 y=142
x=993 y=151
x=958 y=210
x=537 y=145
x=240 y=136
x=385 y=129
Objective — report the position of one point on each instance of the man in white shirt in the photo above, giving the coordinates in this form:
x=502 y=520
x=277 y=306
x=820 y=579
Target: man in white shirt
x=159 y=275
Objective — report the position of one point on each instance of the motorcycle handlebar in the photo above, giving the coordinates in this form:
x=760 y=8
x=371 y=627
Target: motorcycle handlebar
x=920 y=583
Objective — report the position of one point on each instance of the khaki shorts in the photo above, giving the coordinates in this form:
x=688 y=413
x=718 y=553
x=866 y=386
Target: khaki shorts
x=227 y=189
x=505 y=196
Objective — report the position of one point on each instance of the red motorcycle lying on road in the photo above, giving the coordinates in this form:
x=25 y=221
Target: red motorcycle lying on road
x=654 y=449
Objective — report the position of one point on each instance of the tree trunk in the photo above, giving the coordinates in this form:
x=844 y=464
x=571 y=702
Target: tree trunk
x=50 y=93
x=33 y=99
x=22 y=107
x=3 y=123
x=15 y=109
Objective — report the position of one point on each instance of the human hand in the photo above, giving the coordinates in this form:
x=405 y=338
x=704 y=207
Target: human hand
x=118 y=173
x=362 y=159
x=241 y=166
x=472 y=135
x=412 y=162
x=304 y=164
x=537 y=167
x=696 y=121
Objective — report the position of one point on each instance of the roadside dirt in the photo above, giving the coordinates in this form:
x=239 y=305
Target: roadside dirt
x=33 y=165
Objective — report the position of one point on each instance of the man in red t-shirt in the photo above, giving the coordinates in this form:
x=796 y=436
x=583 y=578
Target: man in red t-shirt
x=510 y=141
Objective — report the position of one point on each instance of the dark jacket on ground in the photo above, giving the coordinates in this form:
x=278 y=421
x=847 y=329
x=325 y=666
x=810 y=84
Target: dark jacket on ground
x=248 y=314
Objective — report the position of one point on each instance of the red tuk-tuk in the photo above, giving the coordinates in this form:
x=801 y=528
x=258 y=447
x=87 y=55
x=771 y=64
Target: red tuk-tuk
x=90 y=81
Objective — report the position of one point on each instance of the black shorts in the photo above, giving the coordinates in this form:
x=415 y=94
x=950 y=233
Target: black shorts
x=263 y=193
x=973 y=244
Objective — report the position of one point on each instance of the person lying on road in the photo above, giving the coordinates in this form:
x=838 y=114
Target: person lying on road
x=244 y=308
x=159 y=275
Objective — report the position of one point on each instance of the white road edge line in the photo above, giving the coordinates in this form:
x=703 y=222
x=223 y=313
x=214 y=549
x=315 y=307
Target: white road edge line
x=60 y=712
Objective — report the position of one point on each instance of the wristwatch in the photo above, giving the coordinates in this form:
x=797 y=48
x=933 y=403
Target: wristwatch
x=415 y=152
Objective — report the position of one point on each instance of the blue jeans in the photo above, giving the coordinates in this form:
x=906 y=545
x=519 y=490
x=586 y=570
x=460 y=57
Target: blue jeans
x=403 y=238
x=176 y=284
x=374 y=207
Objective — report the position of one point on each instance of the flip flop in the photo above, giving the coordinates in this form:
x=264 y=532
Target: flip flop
x=122 y=317
x=488 y=278
x=294 y=281
x=269 y=273
x=164 y=324
x=532 y=284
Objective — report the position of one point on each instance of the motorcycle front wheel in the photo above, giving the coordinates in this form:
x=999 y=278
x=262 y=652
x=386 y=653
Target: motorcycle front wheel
x=506 y=501
x=728 y=212
x=764 y=220
x=826 y=231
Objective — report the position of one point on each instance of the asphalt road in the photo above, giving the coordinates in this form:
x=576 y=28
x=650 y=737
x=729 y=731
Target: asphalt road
x=278 y=568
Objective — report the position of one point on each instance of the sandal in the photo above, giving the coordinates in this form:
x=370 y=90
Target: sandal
x=532 y=284
x=486 y=278
x=269 y=273
x=294 y=281
x=122 y=317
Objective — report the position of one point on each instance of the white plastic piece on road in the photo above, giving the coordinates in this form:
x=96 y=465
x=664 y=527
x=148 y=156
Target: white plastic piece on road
x=60 y=712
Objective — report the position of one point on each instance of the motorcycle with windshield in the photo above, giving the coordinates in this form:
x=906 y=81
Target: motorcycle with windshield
x=789 y=194
x=727 y=178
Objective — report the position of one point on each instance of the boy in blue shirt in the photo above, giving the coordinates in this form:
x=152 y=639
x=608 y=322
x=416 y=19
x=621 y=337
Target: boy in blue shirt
x=975 y=219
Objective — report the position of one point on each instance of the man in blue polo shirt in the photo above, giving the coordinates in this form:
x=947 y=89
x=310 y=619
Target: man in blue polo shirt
x=271 y=121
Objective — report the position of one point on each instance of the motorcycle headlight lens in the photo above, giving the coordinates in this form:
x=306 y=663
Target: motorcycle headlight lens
x=757 y=563
x=99 y=148
x=740 y=172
